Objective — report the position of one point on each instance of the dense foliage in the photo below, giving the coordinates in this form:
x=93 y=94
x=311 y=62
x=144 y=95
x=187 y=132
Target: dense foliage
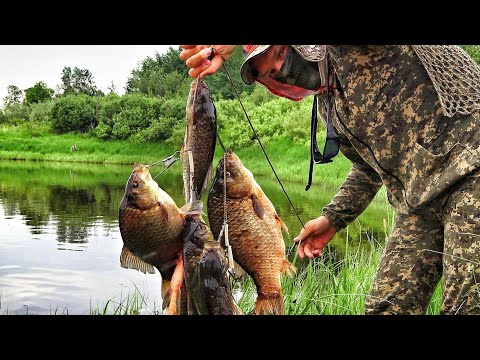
x=153 y=108
x=38 y=93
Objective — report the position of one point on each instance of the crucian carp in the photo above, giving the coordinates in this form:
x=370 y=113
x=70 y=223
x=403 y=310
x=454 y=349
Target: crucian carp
x=206 y=276
x=200 y=140
x=255 y=230
x=151 y=227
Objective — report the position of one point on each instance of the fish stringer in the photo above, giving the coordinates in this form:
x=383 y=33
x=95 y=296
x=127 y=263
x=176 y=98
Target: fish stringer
x=168 y=161
x=261 y=146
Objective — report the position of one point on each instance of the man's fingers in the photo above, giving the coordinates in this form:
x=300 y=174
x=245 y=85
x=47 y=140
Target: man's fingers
x=308 y=250
x=189 y=51
x=301 y=253
x=304 y=233
x=317 y=252
x=195 y=58
x=212 y=67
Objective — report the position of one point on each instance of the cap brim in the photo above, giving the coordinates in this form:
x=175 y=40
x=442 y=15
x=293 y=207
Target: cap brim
x=248 y=74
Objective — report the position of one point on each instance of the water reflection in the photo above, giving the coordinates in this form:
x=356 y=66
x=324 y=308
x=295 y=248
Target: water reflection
x=60 y=242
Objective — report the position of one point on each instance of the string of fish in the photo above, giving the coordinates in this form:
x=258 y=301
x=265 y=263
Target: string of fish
x=215 y=51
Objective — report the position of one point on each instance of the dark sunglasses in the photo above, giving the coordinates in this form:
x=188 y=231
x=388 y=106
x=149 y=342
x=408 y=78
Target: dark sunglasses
x=332 y=143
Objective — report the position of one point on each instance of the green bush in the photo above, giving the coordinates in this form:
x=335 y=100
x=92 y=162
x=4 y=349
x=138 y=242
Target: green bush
x=73 y=113
x=16 y=114
x=41 y=112
x=296 y=123
x=138 y=112
x=178 y=135
x=473 y=51
x=159 y=130
x=271 y=119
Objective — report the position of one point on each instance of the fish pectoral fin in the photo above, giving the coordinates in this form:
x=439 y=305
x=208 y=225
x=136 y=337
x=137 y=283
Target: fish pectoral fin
x=130 y=261
x=182 y=152
x=193 y=207
x=239 y=271
x=166 y=293
x=281 y=224
x=163 y=209
x=288 y=268
x=257 y=206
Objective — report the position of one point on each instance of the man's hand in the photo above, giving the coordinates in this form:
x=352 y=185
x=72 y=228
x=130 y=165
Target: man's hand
x=313 y=238
x=196 y=58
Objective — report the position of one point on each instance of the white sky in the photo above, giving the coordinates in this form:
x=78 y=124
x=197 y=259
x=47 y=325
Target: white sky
x=25 y=65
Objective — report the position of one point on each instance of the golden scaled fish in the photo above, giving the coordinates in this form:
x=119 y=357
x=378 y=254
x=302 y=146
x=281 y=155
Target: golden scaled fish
x=206 y=276
x=200 y=140
x=254 y=229
x=151 y=227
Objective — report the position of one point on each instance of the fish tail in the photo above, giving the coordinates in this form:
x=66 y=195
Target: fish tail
x=288 y=268
x=270 y=304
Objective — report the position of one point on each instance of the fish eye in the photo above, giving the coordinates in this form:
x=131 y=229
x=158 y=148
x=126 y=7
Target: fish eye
x=135 y=184
x=227 y=173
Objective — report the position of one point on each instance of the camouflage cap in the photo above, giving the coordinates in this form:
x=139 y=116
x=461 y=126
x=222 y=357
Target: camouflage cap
x=248 y=74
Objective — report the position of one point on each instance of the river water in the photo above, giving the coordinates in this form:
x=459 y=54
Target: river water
x=60 y=242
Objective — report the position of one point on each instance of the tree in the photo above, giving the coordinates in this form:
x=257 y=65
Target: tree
x=78 y=81
x=112 y=89
x=160 y=76
x=14 y=95
x=38 y=93
x=219 y=84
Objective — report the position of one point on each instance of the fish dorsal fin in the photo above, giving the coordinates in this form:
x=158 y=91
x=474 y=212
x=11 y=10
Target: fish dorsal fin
x=208 y=178
x=257 y=206
x=130 y=261
x=193 y=207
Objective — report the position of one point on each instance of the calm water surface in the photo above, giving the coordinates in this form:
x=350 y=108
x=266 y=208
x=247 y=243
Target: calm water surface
x=60 y=242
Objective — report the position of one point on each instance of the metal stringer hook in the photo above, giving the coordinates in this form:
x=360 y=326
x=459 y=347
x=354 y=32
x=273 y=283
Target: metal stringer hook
x=168 y=161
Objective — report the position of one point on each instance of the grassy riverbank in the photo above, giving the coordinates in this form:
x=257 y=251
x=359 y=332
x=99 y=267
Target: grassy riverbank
x=290 y=161
x=323 y=287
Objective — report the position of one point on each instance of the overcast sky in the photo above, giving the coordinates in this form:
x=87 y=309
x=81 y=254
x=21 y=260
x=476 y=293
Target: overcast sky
x=25 y=65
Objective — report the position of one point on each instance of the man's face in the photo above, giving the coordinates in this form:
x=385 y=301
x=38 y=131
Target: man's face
x=269 y=63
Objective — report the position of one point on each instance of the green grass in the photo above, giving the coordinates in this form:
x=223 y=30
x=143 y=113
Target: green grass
x=131 y=304
x=290 y=161
x=323 y=286
x=328 y=287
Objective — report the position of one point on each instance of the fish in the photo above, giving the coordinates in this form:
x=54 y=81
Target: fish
x=254 y=231
x=206 y=276
x=151 y=225
x=199 y=144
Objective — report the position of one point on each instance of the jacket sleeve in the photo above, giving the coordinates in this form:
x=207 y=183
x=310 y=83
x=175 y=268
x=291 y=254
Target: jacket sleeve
x=356 y=192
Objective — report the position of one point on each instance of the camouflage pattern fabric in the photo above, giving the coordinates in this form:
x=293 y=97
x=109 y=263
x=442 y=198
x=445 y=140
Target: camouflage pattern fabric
x=444 y=235
x=391 y=126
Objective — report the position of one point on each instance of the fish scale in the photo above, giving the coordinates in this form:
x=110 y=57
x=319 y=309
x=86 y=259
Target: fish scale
x=255 y=231
x=200 y=139
x=206 y=276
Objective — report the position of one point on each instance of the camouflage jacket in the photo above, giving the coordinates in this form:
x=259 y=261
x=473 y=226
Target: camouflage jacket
x=392 y=129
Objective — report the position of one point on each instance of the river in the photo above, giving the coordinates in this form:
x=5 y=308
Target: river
x=60 y=242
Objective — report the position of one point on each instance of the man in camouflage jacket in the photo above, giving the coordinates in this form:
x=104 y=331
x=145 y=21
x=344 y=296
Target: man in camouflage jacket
x=408 y=118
